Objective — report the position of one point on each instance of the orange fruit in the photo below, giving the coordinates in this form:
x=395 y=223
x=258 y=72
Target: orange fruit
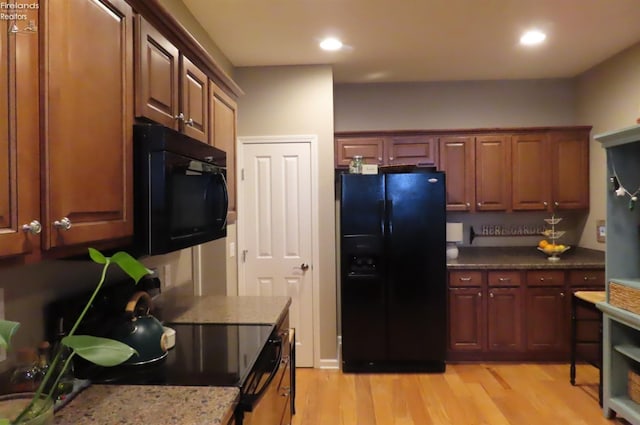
x=543 y=243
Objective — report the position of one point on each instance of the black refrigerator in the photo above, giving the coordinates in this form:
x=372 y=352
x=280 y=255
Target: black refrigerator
x=393 y=272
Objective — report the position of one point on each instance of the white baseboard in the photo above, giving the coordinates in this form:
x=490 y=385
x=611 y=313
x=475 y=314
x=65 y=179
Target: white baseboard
x=332 y=363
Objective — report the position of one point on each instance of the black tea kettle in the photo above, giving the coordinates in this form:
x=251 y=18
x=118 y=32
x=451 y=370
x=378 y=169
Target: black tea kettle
x=141 y=331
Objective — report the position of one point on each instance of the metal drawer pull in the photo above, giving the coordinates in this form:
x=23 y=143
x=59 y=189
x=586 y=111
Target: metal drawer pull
x=590 y=278
x=505 y=279
x=285 y=391
x=480 y=294
x=542 y=279
x=464 y=279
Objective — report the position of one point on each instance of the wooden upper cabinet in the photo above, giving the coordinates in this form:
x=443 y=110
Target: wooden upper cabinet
x=157 y=75
x=19 y=139
x=570 y=169
x=372 y=150
x=223 y=118
x=412 y=150
x=88 y=122
x=493 y=175
x=195 y=103
x=530 y=172
x=457 y=160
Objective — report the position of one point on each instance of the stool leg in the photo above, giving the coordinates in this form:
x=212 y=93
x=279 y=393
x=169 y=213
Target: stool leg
x=572 y=371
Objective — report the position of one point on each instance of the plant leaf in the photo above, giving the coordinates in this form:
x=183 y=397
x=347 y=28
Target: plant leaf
x=7 y=329
x=97 y=256
x=101 y=351
x=130 y=265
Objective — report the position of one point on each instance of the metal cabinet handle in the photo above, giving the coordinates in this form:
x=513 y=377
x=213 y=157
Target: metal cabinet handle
x=557 y=204
x=590 y=278
x=504 y=279
x=479 y=204
x=390 y=158
x=189 y=122
x=480 y=294
x=468 y=204
x=464 y=279
x=491 y=294
x=285 y=391
x=179 y=117
x=562 y=294
x=542 y=279
x=34 y=227
x=63 y=224
x=545 y=203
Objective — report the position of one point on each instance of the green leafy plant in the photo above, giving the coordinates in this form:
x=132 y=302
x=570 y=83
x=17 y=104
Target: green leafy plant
x=101 y=351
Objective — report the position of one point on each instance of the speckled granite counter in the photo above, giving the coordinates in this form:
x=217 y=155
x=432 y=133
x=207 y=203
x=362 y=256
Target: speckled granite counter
x=524 y=258
x=149 y=405
x=179 y=307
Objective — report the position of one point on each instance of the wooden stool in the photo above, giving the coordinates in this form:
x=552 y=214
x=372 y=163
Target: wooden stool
x=586 y=300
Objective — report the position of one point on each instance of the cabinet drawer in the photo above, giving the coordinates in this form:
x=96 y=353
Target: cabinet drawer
x=465 y=278
x=504 y=278
x=588 y=278
x=545 y=278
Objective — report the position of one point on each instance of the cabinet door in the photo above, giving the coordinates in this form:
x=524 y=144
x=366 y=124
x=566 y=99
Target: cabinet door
x=371 y=149
x=88 y=135
x=195 y=104
x=504 y=319
x=457 y=160
x=466 y=319
x=19 y=137
x=530 y=171
x=412 y=150
x=570 y=172
x=546 y=320
x=157 y=71
x=223 y=113
x=493 y=174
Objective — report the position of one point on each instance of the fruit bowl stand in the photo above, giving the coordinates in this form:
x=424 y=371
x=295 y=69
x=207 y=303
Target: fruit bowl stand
x=552 y=249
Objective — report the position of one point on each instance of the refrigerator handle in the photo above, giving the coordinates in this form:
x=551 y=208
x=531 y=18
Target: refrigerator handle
x=388 y=217
x=382 y=215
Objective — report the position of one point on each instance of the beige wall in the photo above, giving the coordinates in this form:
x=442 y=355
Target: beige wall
x=608 y=98
x=184 y=16
x=296 y=100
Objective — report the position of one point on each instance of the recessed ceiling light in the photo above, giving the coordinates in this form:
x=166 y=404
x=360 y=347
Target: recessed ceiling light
x=331 y=44
x=533 y=37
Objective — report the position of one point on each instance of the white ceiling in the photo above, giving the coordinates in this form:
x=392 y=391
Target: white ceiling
x=422 y=40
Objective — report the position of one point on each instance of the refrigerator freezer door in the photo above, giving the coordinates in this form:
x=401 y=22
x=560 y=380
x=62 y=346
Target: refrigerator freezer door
x=416 y=260
x=363 y=277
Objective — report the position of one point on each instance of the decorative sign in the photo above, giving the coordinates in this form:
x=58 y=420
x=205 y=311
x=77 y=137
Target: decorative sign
x=514 y=230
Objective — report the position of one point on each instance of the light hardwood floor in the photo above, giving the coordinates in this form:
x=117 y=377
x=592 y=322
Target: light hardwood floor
x=466 y=394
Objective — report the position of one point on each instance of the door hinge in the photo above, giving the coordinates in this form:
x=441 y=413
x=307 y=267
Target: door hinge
x=244 y=255
x=242 y=174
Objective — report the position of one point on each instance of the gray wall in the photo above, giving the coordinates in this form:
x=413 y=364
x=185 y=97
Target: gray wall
x=453 y=105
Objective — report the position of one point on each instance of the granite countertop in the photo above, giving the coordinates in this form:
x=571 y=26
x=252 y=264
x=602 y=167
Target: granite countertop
x=149 y=405
x=524 y=258
x=177 y=306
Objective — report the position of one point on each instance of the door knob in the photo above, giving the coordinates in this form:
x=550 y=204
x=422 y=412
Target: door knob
x=64 y=223
x=304 y=267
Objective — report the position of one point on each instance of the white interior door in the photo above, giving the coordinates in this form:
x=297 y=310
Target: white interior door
x=276 y=221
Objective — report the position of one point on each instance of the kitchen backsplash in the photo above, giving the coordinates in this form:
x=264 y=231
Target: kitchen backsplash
x=516 y=229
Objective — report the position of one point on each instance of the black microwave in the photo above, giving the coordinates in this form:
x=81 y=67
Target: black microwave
x=180 y=191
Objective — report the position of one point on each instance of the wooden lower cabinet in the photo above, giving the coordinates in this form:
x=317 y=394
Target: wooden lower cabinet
x=504 y=320
x=518 y=315
x=546 y=309
x=466 y=320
